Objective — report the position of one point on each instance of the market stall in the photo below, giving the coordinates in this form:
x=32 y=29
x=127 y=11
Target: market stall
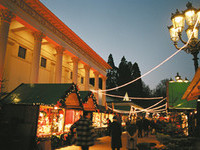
x=89 y=101
x=59 y=106
x=192 y=94
x=179 y=109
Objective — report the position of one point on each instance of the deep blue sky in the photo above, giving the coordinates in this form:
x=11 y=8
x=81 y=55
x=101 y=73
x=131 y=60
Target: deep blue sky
x=136 y=29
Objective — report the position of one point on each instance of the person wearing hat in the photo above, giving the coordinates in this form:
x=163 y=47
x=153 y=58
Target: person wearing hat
x=116 y=132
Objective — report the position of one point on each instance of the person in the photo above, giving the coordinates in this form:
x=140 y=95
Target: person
x=145 y=126
x=116 y=132
x=108 y=122
x=132 y=134
x=140 y=126
x=84 y=131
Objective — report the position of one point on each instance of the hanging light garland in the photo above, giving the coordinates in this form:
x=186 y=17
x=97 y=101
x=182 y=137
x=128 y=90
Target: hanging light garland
x=102 y=91
x=149 y=109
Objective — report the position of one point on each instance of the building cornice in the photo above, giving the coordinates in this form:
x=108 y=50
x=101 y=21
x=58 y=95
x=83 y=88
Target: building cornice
x=46 y=18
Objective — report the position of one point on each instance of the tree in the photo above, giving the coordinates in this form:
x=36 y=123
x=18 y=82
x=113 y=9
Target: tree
x=146 y=90
x=137 y=86
x=125 y=73
x=161 y=88
x=124 y=76
x=112 y=74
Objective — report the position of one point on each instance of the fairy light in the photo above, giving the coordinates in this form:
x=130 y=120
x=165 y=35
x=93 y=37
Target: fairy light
x=137 y=111
x=111 y=89
x=156 y=104
x=149 y=109
x=145 y=98
x=158 y=107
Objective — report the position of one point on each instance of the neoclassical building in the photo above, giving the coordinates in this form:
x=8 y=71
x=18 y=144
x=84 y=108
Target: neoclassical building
x=37 y=47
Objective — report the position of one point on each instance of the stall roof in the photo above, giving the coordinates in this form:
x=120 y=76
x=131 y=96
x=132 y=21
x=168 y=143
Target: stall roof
x=48 y=94
x=89 y=100
x=175 y=91
x=193 y=90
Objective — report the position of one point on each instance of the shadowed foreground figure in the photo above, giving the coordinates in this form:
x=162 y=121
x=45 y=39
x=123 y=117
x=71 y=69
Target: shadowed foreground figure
x=132 y=134
x=116 y=132
x=84 y=130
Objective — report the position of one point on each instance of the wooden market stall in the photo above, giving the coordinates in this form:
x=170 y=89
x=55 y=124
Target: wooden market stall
x=59 y=106
x=192 y=94
x=89 y=101
x=90 y=105
x=179 y=110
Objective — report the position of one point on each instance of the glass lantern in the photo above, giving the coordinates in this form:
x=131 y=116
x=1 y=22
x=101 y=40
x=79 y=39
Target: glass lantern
x=173 y=34
x=193 y=34
x=198 y=15
x=190 y=16
x=178 y=21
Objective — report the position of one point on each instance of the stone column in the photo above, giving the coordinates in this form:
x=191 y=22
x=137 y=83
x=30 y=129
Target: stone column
x=75 y=69
x=5 y=20
x=87 y=77
x=104 y=88
x=36 y=56
x=59 y=60
x=96 y=85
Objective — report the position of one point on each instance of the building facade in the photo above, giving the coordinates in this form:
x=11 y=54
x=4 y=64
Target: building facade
x=37 y=47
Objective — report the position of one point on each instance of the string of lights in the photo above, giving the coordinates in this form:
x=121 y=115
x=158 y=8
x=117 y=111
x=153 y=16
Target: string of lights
x=102 y=91
x=137 y=111
x=156 y=103
x=144 y=98
x=146 y=109
x=155 y=66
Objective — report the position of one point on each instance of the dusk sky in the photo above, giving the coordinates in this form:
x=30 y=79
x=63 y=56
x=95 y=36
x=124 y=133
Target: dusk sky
x=136 y=29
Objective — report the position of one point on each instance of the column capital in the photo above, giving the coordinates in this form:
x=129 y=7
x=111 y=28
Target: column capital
x=59 y=49
x=96 y=73
x=6 y=15
x=75 y=59
x=103 y=78
x=87 y=67
x=38 y=36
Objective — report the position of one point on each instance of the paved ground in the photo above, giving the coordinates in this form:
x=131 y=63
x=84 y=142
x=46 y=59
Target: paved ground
x=104 y=143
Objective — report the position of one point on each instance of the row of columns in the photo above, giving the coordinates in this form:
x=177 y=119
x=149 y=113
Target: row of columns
x=5 y=19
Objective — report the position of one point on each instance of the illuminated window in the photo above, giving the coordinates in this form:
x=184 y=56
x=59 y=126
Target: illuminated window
x=43 y=62
x=22 y=52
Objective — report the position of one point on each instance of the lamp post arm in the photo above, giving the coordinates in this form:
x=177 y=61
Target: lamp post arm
x=175 y=44
x=180 y=37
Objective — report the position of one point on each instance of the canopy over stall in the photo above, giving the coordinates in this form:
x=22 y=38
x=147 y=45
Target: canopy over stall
x=65 y=95
x=175 y=91
x=193 y=90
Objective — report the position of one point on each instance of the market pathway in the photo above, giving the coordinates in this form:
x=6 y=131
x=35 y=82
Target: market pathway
x=103 y=143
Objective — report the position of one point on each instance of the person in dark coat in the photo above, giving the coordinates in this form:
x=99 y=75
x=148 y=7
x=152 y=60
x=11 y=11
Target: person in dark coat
x=116 y=132
x=132 y=134
x=108 y=122
x=84 y=131
x=139 y=126
x=146 y=126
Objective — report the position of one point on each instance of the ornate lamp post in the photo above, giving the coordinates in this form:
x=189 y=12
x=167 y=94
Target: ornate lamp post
x=190 y=16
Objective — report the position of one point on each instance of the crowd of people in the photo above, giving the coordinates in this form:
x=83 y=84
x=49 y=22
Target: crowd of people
x=135 y=128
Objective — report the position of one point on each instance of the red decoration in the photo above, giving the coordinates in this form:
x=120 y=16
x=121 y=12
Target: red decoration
x=58 y=104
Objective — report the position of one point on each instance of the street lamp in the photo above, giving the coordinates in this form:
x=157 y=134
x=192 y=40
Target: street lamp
x=190 y=16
